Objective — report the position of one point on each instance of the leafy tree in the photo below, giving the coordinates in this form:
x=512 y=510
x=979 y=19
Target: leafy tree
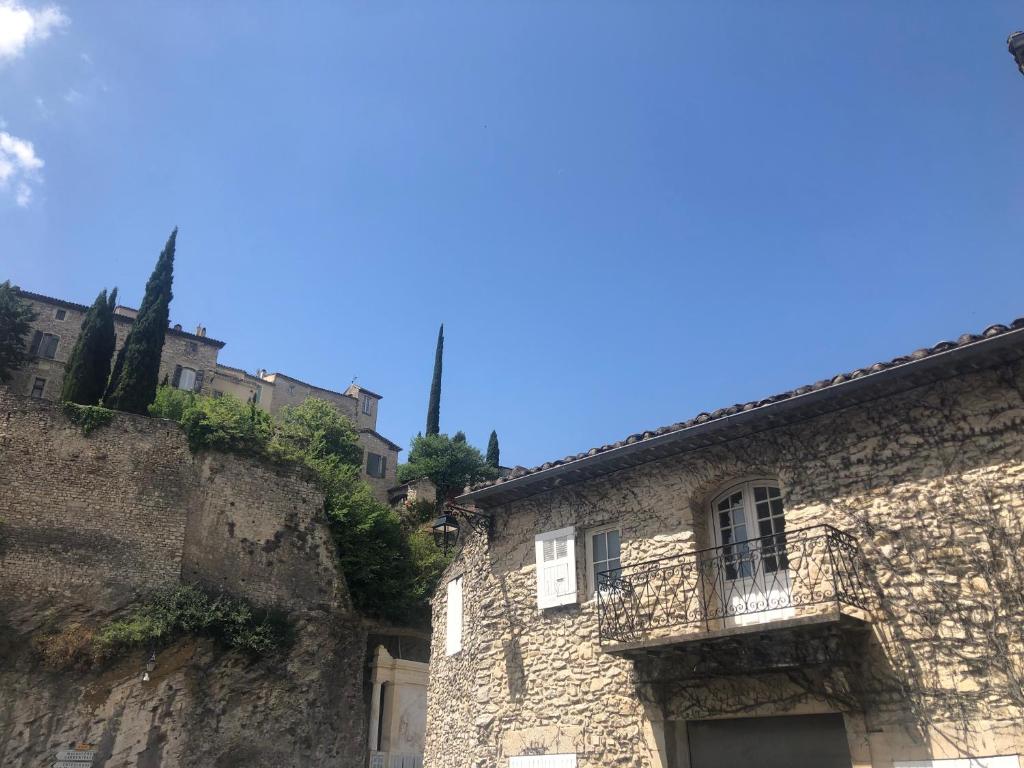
x=137 y=368
x=315 y=431
x=16 y=316
x=493 y=451
x=449 y=463
x=434 y=406
x=88 y=366
x=459 y=437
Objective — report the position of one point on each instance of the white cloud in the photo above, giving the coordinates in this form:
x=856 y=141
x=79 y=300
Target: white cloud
x=21 y=26
x=20 y=167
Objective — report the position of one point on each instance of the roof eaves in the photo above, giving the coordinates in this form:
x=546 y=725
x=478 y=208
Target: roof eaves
x=522 y=477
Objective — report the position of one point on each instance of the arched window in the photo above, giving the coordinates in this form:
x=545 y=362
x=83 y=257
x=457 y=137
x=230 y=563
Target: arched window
x=748 y=522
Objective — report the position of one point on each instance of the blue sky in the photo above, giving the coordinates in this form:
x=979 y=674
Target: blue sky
x=624 y=213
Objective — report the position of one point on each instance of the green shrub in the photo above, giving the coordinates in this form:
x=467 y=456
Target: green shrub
x=87 y=417
x=389 y=568
x=187 y=610
x=225 y=423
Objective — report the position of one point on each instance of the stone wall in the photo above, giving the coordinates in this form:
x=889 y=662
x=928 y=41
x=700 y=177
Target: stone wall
x=108 y=509
x=90 y=524
x=931 y=482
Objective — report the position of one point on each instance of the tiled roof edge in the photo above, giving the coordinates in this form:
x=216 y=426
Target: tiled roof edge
x=941 y=347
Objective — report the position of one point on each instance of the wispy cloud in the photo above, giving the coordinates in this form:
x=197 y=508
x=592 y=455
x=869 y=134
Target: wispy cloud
x=21 y=26
x=20 y=168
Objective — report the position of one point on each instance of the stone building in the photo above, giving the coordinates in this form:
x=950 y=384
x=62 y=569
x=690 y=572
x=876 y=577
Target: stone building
x=826 y=577
x=189 y=361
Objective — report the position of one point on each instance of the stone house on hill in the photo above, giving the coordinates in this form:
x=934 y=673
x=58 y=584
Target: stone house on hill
x=189 y=361
x=827 y=577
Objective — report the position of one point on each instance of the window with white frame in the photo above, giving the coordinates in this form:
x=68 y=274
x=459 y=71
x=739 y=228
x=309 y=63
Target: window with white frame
x=453 y=618
x=603 y=555
x=556 y=567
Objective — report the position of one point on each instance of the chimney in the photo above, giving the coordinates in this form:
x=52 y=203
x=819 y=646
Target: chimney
x=200 y=331
x=177 y=326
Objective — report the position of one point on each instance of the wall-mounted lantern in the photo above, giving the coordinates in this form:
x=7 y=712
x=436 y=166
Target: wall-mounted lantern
x=1015 y=43
x=446 y=528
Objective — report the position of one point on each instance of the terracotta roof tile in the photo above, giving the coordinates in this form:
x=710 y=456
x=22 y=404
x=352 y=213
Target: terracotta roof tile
x=704 y=417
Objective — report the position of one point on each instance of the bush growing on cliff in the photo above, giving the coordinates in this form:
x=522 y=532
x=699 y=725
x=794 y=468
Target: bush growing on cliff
x=224 y=423
x=187 y=610
x=390 y=568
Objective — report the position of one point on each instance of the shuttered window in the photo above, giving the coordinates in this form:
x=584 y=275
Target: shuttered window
x=44 y=345
x=556 y=568
x=543 y=761
x=453 y=622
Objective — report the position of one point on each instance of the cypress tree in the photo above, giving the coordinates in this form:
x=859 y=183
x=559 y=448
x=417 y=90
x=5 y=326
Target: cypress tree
x=493 y=452
x=89 y=364
x=16 y=316
x=434 y=406
x=133 y=382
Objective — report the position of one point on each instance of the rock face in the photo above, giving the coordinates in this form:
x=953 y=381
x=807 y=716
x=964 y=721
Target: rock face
x=90 y=524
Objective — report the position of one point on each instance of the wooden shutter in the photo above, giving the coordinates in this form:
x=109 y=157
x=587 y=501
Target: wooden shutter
x=49 y=350
x=199 y=381
x=383 y=465
x=36 y=338
x=556 y=567
x=453 y=622
x=176 y=378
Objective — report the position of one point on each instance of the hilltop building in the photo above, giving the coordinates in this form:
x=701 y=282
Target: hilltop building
x=189 y=361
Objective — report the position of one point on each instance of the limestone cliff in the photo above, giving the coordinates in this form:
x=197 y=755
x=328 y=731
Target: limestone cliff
x=90 y=524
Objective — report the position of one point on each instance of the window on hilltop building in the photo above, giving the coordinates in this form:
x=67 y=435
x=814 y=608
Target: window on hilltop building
x=367 y=405
x=603 y=556
x=191 y=348
x=44 y=345
x=61 y=314
x=257 y=394
x=37 y=387
x=187 y=378
x=376 y=465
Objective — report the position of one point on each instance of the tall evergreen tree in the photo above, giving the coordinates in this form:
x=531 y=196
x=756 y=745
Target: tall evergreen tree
x=133 y=382
x=493 y=452
x=434 y=406
x=88 y=366
x=16 y=316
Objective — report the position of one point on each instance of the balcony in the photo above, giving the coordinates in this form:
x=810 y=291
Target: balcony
x=804 y=578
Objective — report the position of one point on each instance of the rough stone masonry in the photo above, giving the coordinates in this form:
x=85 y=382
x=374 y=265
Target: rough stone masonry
x=89 y=524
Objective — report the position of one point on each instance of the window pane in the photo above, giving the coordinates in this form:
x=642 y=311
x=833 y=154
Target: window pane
x=613 y=545
x=777 y=507
x=760 y=493
x=765 y=527
x=615 y=566
x=600 y=547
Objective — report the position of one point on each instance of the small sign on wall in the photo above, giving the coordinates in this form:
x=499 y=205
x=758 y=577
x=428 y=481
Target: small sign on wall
x=82 y=756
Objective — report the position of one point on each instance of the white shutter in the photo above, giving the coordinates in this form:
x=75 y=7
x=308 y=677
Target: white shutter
x=543 y=761
x=453 y=624
x=556 y=568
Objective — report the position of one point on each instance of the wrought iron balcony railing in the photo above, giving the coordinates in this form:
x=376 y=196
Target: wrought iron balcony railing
x=783 y=576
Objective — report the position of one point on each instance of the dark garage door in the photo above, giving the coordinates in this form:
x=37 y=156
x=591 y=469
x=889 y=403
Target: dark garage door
x=802 y=741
